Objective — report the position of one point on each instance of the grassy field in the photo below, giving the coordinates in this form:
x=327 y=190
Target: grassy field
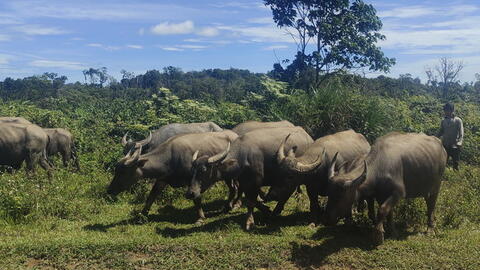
x=112 y=236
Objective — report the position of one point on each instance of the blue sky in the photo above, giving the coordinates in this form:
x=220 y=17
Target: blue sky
x=66 y=37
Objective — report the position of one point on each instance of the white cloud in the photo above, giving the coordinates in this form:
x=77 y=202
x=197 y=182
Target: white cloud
x=105 y=10
x=261 y=20
x=184 y=47
x=5 y=59
x=141 y=31
x=4 y=37
x=38 y=30
x=98 y=45
x=77 y=38
x=135 y=46
x=276 y=47
x=172 y=49
x=57 y=64
x=8 y=19
x=268 y=33
x=407 y=12
x=105 y=47
x=194 y=47
x=208 y=32
x=167 y=28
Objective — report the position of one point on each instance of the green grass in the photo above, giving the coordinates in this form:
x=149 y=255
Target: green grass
x=111 y=237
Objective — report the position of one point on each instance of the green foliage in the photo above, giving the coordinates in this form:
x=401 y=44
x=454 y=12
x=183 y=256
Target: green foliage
x=343 y=34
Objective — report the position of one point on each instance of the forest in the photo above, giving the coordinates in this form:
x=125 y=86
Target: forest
x=74 y=205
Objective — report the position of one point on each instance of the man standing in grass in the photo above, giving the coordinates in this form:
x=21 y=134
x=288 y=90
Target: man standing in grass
x=451 y=132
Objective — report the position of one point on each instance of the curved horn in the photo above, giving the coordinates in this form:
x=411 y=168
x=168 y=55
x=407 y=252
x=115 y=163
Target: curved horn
x=331 y=170
x=195 y=156
x=133 y=158
x=304 y=168
x=124 y=139
x=147 y=140
x=281 y=150
x=359 y=180
x=220 y=156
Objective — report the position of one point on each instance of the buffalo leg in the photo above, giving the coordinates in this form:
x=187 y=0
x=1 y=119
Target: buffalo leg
x=198 y=206
x=281 y=202
x=156 y=189
x=431 y=201
x=391 y=225
x=371 y=208
x=251 y=196
x=314 y=206
x=233 y=195
x=383 y=211
x=46 y=166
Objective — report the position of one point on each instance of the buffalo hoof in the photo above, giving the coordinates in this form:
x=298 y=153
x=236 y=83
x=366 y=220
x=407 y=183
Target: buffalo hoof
x=378 y=237
x=199 y=222
x=249 y=226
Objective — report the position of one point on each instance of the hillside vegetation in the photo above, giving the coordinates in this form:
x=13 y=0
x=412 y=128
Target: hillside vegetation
x=70 y=223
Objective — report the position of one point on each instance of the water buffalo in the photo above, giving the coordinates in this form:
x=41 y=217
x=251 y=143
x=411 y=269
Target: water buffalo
x=162 y=134
x=399 y=165
x=170 y=163
x=61 y=141
x=19 y=142
x=248 y=126
x=252 y=158
x=15 y=120
x=348 y=144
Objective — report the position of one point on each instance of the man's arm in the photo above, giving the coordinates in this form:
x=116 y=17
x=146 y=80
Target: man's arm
x=460 y=132
x=440 y=131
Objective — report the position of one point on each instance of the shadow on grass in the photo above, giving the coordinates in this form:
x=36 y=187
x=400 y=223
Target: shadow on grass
x=167 y=213
x=265 y=224
x=334 y=239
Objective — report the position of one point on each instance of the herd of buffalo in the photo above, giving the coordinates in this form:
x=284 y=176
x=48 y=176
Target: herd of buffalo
x=343 y=166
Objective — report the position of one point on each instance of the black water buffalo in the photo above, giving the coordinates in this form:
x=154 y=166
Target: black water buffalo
x=14 y=120
x=19 y=142
x=252 y=159
x=61 y=142
x=398 y=166
x=162 y=134
x=348 y=144
x=170 y=163
x=248 y=126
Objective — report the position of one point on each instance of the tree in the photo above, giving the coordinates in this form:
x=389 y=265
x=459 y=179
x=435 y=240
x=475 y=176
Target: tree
x=345 y=34
x=444 y=75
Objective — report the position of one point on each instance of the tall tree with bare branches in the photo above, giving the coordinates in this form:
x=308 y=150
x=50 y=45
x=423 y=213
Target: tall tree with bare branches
x=444 y=75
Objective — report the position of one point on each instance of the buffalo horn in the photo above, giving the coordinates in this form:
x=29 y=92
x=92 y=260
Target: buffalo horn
x=132 y=158
x=220 y=156
x=331 y=170
x=124 y=139
x=303 y=168
x=359 y=180
x=195 y=156
x=147 y=140
x=281 y=150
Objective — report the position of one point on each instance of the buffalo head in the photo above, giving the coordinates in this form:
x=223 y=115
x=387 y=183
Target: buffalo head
x=128 y=144
x=128 y=169
x=204 y=173
x=342 y=189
